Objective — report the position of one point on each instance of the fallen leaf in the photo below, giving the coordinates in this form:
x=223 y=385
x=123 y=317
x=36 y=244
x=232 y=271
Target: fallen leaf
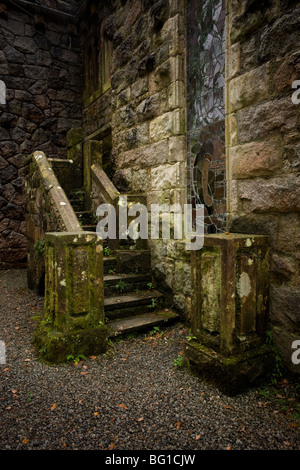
x=228 y=407
x=198 y=437
x=83 y=373
x=178 y=424
x=228 y=448
x=140 y=419
x=25 y=441
x=93 y=357
x=123 y=406
x=96 y=413
x=111 y=446
x=286 y=443
x=14 y=392
x=54 y=406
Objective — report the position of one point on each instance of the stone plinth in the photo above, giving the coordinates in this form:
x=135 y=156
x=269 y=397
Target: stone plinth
x=230 y=284
x=73 y=320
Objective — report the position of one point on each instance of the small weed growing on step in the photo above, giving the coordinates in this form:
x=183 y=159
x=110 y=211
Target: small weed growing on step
x=190 y=337
x=153 y=303
x=106 y=251
x=77 y=193
x=121 y=286
x=150 y=285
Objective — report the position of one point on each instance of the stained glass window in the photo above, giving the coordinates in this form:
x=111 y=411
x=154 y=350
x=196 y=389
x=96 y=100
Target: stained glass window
x=206 y=110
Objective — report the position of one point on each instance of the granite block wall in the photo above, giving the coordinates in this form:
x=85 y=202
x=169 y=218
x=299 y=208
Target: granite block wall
x=40 y=64
x=262 y=147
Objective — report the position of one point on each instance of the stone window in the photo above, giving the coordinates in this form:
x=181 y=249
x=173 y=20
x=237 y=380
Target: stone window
x=98 y=51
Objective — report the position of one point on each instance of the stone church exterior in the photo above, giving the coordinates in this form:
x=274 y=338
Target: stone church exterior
x=185 y=101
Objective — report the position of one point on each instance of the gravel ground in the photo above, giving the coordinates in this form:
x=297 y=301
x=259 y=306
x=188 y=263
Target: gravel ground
x=132 y=398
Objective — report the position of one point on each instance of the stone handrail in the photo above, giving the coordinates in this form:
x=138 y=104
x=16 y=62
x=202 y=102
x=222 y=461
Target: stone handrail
x=104 y=184
x=65 y=263
x=59 y=200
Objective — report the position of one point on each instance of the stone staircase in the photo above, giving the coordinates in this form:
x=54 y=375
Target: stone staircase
x=131 y=301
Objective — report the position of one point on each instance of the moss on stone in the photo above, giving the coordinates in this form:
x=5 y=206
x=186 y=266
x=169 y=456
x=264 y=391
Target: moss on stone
x=54 y=347
x=233 y=374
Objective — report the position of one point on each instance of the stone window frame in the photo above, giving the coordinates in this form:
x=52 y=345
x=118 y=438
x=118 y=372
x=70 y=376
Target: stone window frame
x=97 y=58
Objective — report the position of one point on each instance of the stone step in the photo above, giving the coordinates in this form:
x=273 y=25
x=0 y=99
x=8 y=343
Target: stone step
x=129 y=304
x=89 y=228
x=141 y=322
x=77 y=204
x=85 y=216
x=121 y=283
x=109 y=263
x=136 y=260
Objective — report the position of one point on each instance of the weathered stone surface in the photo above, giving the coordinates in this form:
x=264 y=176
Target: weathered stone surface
x=249 y=88
x=232 y=375
x=230 y=283
x=149 y=108
x=166 y=125
x=281 y=36
x=273 y=117
x=274 y=195
x=167 y=176
x=145 y=157
x=28 y=69
x=256 y=159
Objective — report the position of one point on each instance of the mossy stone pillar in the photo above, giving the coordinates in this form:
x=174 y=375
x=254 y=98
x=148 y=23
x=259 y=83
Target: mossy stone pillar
x=73 y=322
x=230 y=284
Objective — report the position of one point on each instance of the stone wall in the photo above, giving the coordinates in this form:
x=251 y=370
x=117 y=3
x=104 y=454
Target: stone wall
x=40 y=63
x=263 y=146
x=145 y=112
